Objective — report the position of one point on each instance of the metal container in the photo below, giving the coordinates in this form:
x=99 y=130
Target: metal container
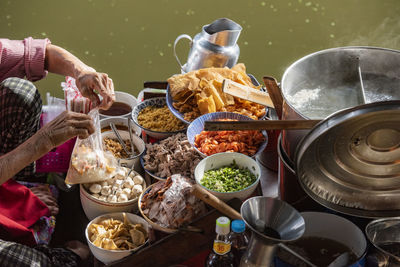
x=384 y=234
x=327 y=81
x=271 y=222
x=290 y=189
x=350 y=163
x=214 y=46
x=330 y=227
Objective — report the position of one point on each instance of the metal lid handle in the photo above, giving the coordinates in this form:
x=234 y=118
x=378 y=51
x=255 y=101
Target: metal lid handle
x=176 y=42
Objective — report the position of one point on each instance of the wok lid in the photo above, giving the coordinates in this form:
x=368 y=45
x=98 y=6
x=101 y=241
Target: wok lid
x=350 y=162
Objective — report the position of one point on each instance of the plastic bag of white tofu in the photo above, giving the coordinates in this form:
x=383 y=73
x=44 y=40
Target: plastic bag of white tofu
x=89 y=163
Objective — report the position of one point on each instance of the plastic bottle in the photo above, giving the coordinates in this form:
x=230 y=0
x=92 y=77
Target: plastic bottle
x=238 y=239
x=221 y=256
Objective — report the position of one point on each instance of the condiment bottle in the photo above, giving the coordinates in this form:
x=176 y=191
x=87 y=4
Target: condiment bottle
x=239 y=240
x=221 y=256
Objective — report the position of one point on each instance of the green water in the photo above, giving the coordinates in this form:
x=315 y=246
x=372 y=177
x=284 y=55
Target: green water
x=132 y=40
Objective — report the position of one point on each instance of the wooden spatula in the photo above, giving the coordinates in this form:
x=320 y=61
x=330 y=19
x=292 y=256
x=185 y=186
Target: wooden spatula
x=247 y=93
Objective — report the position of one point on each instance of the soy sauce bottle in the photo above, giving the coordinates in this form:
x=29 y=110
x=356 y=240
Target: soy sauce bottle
x=221 y=256
x=239 y=240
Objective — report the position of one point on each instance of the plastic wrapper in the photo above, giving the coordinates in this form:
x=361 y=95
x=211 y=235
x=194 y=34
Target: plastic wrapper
x=89 y=163
x=171 y=204
x=55 y=106
x=74 y=100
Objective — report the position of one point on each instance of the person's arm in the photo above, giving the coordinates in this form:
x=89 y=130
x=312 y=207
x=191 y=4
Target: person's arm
x=66 y=126
x=60 y=61
x=23 y=58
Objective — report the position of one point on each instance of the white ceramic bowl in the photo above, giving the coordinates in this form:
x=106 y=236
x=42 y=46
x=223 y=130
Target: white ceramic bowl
x=109 y=256
x=158 y=102
x=137 y=142
x=94 y=207
x=124 y=98
x=224 y=159
x=120 y=122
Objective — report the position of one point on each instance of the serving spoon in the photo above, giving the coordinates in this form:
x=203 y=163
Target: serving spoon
x=131 y=137
x=120 y=140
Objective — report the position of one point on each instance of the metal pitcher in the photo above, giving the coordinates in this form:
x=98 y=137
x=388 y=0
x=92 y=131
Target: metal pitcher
x=214 y=46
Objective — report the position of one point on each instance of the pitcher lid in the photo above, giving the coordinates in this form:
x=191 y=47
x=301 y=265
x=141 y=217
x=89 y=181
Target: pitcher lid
x=350 y=162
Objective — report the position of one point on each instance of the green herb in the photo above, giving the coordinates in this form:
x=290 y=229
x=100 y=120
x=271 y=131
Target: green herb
x=228 y=179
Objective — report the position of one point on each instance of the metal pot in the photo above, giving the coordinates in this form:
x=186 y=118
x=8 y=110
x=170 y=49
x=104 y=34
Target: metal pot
x=384 y=234
x=327 y=81
x=290 y=189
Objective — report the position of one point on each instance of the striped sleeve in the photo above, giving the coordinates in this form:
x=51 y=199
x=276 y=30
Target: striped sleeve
x=34 y=57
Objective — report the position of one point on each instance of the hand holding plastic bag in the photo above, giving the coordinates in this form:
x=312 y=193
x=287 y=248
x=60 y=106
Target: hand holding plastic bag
x=89 y=163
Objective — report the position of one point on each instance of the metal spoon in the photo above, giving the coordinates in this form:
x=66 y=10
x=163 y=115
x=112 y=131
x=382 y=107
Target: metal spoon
x=340 y=261
x=363 y=98
x=121 y=141
x=131 y=137
x=294 y=253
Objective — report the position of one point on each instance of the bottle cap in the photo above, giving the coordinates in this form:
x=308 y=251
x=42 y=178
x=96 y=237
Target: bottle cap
x=238 y=226
x=222 y=226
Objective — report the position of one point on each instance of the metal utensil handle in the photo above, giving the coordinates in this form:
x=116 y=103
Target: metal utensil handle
x=294 y=253
x=259 y=125
x=131 y=137
x=176 y=42
x=121 y=141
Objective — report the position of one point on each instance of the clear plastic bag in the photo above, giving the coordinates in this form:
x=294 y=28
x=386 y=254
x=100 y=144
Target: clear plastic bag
x=89 y=163
x=74 y=100
x=55 y=106
x=176 y=207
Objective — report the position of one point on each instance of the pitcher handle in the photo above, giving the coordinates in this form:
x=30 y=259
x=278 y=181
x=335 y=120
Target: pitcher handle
x=176 y=42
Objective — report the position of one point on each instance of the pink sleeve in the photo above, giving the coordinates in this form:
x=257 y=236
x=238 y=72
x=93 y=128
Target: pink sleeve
x=23 y=58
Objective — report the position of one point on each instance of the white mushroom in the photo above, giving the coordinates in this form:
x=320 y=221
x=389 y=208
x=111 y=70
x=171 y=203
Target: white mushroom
x=118 y=192
x=112 y=198
x=106 y=190
x=137 y=188
x=122 y=198
x=129 y=183
x=115 y=188
x=127 y=191
x=121 y=173
x=103 y=198
x=95 y=188
x=104 y=183
x=119 y=182
x=95 y=195
x=138 y=179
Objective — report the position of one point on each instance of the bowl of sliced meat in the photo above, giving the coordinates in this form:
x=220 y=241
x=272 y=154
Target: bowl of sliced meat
x=173 y=155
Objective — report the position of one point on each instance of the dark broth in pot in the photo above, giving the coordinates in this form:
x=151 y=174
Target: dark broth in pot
x=117 y=109
x=319 y=251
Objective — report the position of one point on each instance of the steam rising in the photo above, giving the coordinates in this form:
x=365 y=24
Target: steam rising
x=384 y=35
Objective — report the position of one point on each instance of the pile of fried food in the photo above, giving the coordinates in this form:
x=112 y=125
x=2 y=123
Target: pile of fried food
x=199 y=92
x=112 y=234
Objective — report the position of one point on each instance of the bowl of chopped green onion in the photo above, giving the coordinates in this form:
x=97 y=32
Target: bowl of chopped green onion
x=228 y=175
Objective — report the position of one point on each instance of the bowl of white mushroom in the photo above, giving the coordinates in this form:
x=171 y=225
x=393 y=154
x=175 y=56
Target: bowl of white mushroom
x=120 y=193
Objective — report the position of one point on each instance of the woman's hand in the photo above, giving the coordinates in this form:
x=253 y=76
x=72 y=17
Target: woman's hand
x=44 y=194
x=60 y=61
x=66 y=126
x=89 y=82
